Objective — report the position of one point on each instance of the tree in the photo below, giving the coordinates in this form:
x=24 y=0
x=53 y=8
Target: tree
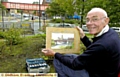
x=67 y=6
x=111 y=7
x=1 y=6
x=81 y=7
x=35 y=2
x=54 y=9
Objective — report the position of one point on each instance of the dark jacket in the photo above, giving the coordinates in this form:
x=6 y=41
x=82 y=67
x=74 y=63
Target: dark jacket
x=101 y=58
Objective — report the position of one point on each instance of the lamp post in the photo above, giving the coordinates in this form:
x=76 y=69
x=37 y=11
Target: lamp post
x=82 y=13
x=43 y=17
x=21 y=15
x=63 y=19
x=33 y=24
x=39 y=17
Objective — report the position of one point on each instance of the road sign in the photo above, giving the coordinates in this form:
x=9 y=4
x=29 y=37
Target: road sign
x=25 y=24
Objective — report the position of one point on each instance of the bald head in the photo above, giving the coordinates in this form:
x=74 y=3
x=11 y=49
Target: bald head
x=100 y=10
x=96 y=20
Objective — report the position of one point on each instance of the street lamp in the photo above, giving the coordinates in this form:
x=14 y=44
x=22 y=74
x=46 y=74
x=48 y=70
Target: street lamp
x=21 y=15
x=43 y=17
x=63 y=19
x=82 y=13
x=39 y=16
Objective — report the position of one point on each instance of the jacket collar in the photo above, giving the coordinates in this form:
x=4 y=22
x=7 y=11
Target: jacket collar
x=104 y=30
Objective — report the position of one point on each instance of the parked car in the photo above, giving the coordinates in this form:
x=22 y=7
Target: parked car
x=66 y=25
x=117 y=29
x=12 y=14
x=84 y=27
x=56 y=17
x=36 y=17
x=26 y=18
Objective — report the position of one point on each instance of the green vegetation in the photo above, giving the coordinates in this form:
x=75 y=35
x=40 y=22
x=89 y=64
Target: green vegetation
x=13 y=56
x=14 y=50
x=67 y=8
x=71 y=21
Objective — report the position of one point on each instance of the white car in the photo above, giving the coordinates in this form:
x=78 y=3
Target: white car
x=26 y=18
x=66 y=25
x=56 y=17
x=117 y=29
x=84 y=27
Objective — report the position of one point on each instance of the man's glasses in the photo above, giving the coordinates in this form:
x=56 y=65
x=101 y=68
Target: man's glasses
x=95 y=19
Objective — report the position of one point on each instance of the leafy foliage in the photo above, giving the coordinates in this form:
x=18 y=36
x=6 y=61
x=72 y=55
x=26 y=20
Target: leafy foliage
x=111 y=6
x=12 y=36
x=55 y=9
x=1 y=35
x=14 y=61
x=81 y=7
x=1 y=6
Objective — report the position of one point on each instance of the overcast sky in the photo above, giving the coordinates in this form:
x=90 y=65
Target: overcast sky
x=25 y=1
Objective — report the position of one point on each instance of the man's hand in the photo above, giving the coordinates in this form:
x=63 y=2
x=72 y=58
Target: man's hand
x=48 y=52
x=82 y=34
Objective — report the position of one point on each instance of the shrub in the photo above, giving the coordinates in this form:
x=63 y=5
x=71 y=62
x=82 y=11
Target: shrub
x=1 y=35
x=12 y=36
x=71 y=21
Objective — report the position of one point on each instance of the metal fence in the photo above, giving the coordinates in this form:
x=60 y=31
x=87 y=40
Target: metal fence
x=27 y=27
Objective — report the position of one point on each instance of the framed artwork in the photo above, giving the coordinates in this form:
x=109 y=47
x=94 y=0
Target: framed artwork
x=63 y=40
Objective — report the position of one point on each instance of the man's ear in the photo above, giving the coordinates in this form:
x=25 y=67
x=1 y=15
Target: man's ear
x=107 y=20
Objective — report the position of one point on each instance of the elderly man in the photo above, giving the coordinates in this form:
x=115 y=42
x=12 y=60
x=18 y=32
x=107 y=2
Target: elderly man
x=102 y=55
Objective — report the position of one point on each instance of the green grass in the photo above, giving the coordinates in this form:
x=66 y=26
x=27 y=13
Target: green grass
x=13 y=57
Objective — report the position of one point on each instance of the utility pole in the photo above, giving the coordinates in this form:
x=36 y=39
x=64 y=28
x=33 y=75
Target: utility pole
x=33 y=24
x=82 y=14
x=82 y=11
x=39 y=17
x=21 y=15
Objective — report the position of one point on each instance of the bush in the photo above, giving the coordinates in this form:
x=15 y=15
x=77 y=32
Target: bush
x=114 y=24
x=71 y=21
x=1 y=35
x=12 y=36
x=56 y=20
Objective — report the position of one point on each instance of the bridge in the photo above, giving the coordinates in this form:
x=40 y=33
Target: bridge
x=24 y=6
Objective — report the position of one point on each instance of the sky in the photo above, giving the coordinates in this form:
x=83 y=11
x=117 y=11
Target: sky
x=65 y=35
x=25 y=1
